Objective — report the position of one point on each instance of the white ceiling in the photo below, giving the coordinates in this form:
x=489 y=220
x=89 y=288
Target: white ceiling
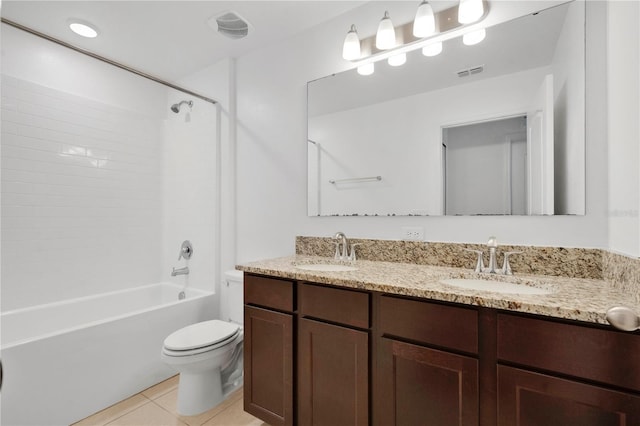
x=171 y=39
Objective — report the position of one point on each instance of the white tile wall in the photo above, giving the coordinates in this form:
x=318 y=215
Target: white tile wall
x=81 y=196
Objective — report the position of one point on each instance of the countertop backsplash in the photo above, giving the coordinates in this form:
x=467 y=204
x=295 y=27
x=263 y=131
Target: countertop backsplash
x=621 y=272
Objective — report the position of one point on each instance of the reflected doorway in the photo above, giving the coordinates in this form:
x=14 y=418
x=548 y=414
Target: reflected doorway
x=485 y=167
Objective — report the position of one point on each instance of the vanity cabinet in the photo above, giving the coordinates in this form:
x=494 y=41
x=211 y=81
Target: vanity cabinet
x=558 y=373
x=427 y=363
x=333 y=356
x=269 y=349
x=317 y=354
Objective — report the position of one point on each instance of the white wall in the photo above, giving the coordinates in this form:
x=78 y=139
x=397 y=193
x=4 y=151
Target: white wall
x=624 y=132
x=272 y=156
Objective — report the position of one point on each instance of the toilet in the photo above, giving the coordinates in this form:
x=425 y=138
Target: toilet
x=208 y=354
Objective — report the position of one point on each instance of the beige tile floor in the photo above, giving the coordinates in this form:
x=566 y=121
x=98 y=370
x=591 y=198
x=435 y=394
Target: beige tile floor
x=156 y=406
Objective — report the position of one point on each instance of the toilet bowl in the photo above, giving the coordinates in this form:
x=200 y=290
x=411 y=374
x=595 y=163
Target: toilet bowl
x=208 y=356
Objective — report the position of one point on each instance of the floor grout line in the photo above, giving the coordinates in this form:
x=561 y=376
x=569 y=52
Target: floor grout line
x=172 y=414
x=183 y=420
x=129 y=411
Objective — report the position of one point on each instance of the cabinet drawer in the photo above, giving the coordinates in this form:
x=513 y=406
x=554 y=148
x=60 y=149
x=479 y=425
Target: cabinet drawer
x=602 y=355
x=346 y=307
x=268 y=292
x=430 y=323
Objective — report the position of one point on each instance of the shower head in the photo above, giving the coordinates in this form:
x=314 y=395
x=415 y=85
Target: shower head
x=176 y=107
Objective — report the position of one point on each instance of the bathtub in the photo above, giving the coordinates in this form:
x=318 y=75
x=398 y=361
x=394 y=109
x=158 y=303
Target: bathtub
x=64 y=361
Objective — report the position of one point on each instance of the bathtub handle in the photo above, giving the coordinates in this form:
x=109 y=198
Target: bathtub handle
x=0 y=375
x=186 y=250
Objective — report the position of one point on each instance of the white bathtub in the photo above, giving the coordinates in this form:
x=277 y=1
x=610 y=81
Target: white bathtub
x=64 y=361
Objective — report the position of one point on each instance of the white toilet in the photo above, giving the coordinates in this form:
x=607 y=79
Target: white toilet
x=208 y=355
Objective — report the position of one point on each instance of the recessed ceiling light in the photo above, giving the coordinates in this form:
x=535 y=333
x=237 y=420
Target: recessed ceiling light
x=83 y=28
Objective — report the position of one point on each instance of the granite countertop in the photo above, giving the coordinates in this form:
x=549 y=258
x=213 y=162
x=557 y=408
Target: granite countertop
x=577 y=299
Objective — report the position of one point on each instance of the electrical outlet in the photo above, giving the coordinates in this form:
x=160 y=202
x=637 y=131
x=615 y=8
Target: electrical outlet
x=413 y=233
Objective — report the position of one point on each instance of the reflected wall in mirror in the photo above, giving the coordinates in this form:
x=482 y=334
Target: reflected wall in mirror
x=376 y=144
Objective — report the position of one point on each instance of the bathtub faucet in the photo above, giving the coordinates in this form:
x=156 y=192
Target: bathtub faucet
x=180 y=271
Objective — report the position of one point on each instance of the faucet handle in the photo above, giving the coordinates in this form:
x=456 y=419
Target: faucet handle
x=479 y=261
x=336 y=255
x=506 y=267
x=352 y=252
x=186 y=250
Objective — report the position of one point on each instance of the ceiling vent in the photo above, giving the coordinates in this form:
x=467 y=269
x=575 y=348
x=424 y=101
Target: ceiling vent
x=470 y=71
x=230 y=25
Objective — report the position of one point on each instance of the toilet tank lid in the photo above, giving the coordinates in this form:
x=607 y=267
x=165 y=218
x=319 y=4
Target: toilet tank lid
x=199 y=335
x=234 y=275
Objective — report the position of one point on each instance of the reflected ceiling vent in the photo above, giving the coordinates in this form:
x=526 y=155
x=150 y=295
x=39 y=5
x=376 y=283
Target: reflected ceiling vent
x=230 y=25
x=470 y=71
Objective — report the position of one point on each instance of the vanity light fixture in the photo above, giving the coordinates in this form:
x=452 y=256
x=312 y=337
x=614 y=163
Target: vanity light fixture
x=424 y=23
x=386 y=35
x=397 y=60
x=366 y=69
x=351 y=47
x=82 y=28
x=470 y=11
x=432 y=49
x=474 y=37
x=427 y=32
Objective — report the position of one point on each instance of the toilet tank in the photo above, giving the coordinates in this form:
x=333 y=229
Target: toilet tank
x=234 y=289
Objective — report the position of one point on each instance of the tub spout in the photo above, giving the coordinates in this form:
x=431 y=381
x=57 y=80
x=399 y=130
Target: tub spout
x=180 y=271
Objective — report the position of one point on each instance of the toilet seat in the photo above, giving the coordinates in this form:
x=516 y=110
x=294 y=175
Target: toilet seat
x=200 y=337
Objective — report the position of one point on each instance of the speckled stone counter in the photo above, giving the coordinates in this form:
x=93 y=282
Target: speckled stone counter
x=558 y=261
x=578 y=299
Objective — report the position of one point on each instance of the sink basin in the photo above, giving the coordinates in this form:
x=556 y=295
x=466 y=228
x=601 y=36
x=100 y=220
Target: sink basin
x=326 y=267
x=494 y=286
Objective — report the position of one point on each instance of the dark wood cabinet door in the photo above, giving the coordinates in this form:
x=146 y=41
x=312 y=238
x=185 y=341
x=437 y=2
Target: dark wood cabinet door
x=422 y=386
x=268 y=365
x=333 y=375
x=531 y=399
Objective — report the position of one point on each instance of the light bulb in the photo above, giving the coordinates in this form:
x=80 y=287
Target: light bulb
x=432 y=49
x=351 y=46
x=386 y=35
x=425 y=23
x=366 y=69
x=397 y=60
x=470 y=11
x=474 y=37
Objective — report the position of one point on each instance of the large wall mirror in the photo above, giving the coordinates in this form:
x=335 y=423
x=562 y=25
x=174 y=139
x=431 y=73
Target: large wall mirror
x=497 y=128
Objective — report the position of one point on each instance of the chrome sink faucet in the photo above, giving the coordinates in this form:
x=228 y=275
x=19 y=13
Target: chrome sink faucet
x=492 y=245
x=341 y=253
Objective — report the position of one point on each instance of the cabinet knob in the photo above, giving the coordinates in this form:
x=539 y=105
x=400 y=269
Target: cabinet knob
x=623 y=318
